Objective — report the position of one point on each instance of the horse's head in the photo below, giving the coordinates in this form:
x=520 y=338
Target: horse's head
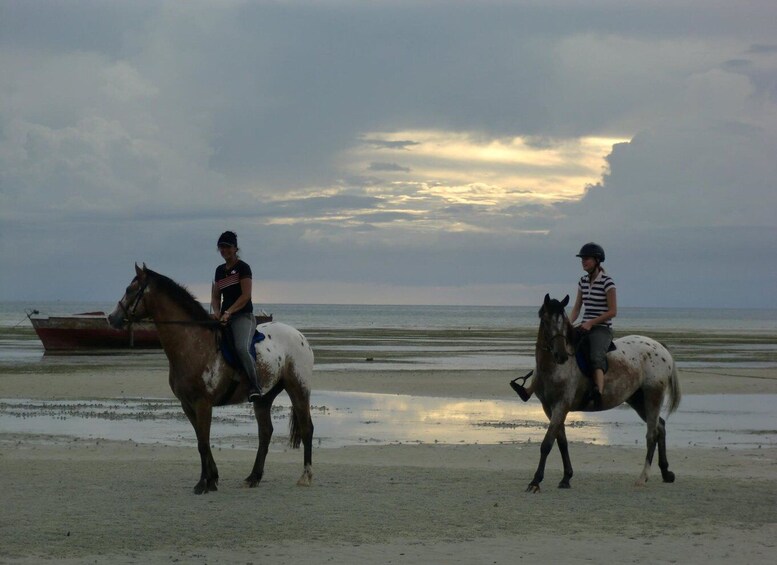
x=555 y=329
x=132 y=306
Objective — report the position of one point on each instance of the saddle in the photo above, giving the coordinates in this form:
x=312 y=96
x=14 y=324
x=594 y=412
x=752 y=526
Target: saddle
x=227 y=347
x=583 y=353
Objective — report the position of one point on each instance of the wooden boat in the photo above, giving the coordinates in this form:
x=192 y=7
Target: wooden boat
x=91 y=330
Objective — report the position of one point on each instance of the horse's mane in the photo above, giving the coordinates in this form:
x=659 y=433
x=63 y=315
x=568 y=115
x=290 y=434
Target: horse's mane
x=180 y=295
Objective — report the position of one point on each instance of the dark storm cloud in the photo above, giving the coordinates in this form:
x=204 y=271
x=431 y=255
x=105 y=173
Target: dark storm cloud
x=140 y=130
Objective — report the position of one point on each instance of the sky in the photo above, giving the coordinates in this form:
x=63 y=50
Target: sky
x=391 y=152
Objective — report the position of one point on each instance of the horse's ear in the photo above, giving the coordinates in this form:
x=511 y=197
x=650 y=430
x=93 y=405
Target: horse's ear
x=141 y=273
x=565 y=301
x=544 y=305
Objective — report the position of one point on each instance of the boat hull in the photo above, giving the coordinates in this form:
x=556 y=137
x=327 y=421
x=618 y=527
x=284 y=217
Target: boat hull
x=89 y=331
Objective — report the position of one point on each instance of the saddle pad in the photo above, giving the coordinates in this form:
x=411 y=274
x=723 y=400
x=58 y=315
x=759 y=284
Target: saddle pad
x=228 y=348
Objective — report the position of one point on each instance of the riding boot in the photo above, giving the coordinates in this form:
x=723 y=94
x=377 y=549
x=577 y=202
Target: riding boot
x=254 y=390
x=596 y=398
x=520 y=391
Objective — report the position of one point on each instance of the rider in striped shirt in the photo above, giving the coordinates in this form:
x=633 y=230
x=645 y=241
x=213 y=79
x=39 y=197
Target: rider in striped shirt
x=596 y=296
x=597 y=299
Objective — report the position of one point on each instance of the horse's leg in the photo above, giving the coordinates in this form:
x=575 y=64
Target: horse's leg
x=263 y=413
x=556 y=423
x=563 y=447
x=652 y=408
x=302 y=429
x=663 y=462
x=200 y=416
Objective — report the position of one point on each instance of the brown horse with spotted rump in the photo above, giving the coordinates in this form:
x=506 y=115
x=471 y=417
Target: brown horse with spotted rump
x=201 y=379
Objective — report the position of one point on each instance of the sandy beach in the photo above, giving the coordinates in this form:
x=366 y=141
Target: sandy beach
x=94 y=501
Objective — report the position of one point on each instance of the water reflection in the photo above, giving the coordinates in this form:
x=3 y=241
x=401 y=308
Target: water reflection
x=357 y=418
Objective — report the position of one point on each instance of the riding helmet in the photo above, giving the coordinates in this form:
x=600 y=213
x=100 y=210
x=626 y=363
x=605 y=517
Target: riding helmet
x=592 y=250
x=228 y=238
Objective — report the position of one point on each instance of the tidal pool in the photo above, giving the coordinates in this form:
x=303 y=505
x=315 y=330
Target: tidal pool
x=340 y=418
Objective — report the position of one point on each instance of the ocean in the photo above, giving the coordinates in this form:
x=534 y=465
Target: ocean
x=457 y=337
x=345 y=316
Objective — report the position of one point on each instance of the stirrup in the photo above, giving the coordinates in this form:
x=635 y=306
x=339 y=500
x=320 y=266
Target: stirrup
x=520 y=391
x=518 y=388
x=254 y=396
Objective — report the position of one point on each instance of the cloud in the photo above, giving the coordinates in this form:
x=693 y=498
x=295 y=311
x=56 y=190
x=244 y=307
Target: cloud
x=396 y=144
x=388 y=167
x=761 y=49
x=412 y=144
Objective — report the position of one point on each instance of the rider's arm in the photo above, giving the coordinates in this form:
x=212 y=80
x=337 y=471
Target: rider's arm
x=245 y=295
x=215 y=301
x=612 y=310
x=576 y=308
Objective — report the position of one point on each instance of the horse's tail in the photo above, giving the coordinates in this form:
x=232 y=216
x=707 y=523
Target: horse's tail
x=674 y=389
x=295 y=437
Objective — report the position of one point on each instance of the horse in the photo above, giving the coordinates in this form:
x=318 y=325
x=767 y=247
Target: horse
x=201 y=379
x=641 y=373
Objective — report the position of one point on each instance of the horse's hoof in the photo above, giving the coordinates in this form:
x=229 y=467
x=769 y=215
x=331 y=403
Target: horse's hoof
x=200 y=488
x=532 y=488
x=305 y=480
x=668 y=477
x=564 y=484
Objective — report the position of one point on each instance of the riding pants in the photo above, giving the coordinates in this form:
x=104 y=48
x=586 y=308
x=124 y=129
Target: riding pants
x=599 y=339
x=243 y=328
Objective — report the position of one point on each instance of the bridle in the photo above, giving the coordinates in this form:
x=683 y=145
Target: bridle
x=549 y=340
x=129 y=313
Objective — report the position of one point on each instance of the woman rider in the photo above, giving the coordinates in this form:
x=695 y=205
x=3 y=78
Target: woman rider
x=597 y=297
x=231 y=304
x=596 y=293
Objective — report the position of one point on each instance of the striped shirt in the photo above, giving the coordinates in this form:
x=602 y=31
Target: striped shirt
x=595 y=296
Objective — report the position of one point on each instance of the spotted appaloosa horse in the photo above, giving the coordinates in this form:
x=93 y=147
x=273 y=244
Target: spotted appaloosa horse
x=641 y=373
x=200 y=378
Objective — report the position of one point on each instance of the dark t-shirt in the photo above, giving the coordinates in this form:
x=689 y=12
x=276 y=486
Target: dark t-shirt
x=228 y=284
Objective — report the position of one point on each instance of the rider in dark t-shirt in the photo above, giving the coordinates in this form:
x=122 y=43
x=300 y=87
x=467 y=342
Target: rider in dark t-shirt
x=227 y=281
x=231 y=304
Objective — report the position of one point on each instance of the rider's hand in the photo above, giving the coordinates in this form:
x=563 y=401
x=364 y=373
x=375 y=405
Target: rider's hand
x=586 y=326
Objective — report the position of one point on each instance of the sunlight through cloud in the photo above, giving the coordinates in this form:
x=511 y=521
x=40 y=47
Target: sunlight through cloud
x=466 y=168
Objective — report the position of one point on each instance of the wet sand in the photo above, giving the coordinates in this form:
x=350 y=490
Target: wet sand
x=85 y=501
x=151 y=382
